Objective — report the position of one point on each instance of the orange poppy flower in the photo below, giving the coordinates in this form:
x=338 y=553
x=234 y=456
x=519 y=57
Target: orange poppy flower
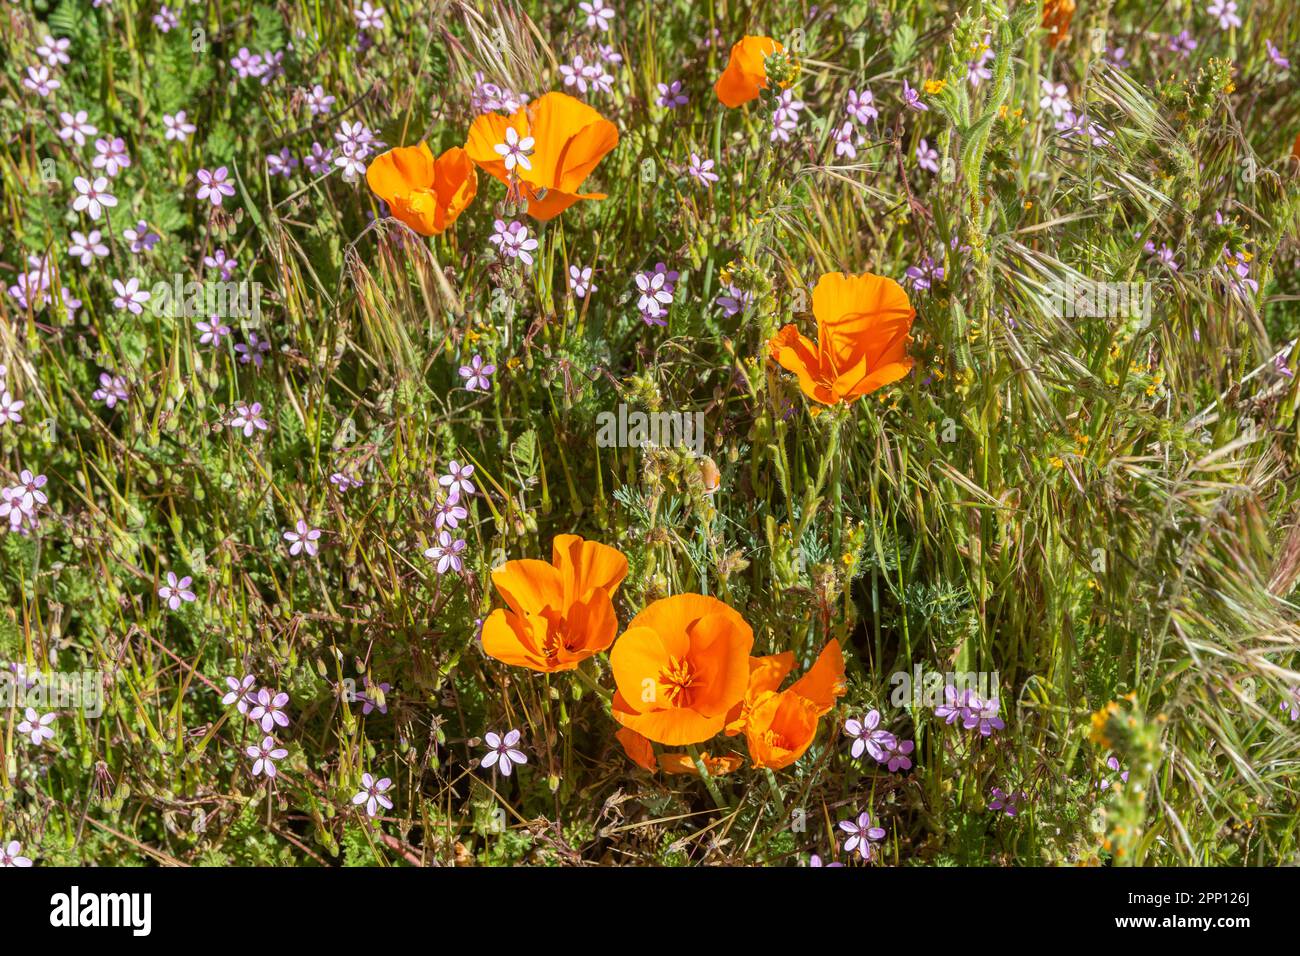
x=558 y=613
x=1057 y=15
x=716 y=766
x=780 y=726
x=680 y=666
x=765 y=676
x=569 y=139
x=863 y=323
x=425 y=193
x=638 y=749
x=746 y=72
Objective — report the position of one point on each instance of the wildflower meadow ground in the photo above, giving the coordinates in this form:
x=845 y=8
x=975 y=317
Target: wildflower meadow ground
x=612 y=432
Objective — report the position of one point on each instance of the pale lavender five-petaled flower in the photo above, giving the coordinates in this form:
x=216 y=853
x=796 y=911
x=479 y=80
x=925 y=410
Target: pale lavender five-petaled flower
x=303 y=538
x=372 y=794
x=503 y=752
x=862 y=836
x=176 y=591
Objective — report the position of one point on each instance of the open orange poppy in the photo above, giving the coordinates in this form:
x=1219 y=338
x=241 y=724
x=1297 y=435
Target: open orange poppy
x=780 y=726
x=680 y=666
x=558 y=613
x=425 y=193
x=746 y=72
x=569 y=140
x=863 y=323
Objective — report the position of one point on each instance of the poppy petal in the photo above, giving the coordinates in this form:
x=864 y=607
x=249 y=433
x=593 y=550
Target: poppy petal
x=720 y=646
x=676 y=727
x=400 y=170
x=825 y=679
x=584 y=565
x=639 y=750
x=506 y=637
x=746 y=72
x=529 y=585
x=637 y=660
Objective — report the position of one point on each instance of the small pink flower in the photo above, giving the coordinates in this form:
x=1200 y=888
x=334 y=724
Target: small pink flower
x=372 y=794
x=265 y=756
x=503 y=752
x=176 y=592
x=268 y=710
x=861 y=835
x=213 y=185
x=303 y=538
x=240 y=693
x=11 y=855
x=37 y=726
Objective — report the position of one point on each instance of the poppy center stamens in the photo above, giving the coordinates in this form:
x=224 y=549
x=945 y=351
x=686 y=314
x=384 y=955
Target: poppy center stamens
x=677 y=678
x=557 y=638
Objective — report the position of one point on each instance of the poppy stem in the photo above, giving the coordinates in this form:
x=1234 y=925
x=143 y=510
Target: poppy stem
x=776 y=791
x=832 y=454
x=712 y=787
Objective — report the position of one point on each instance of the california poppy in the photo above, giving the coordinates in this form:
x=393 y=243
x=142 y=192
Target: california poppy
x=821 y=685
x=863 y=323
x=425 y=193
x=569 y=139
x=780 y=726
x=765 y=676
x=558 y=613
x=746 y=72
x=680 y=666
x=1057 y=15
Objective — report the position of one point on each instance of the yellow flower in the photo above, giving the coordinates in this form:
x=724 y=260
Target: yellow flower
x=935 y=87
x=1099 y=721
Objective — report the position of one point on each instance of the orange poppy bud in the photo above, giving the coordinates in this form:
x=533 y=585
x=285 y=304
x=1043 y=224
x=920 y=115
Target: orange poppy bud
x=425 y=193
x=680 y=666
x=710 y=475
x=1295 y=148
x=1057 y=15
x=558 y=613
x=569 y=139
x=746 y=72
x=716 y=766
x=863 y=326
x=780 y=726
